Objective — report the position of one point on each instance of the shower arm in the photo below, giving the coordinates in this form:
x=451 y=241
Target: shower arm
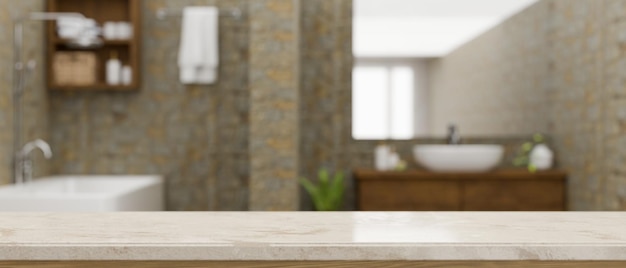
x=18 y=37
x=19 y=76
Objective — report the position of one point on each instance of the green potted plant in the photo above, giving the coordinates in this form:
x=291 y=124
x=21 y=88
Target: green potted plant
x=327 y=194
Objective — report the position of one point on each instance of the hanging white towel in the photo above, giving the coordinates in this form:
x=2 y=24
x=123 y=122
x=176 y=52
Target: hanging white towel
x=198 y=57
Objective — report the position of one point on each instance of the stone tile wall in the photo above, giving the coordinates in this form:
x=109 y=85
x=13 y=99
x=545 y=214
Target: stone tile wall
x=564 y=75
x=495 y=84
x=557 y=68
x=325 y=106
x=35 y=123
x=326 y=88
x=578 y=99
x=610 y=48
x=196 y=136
x=274 y=99
x=199 y=137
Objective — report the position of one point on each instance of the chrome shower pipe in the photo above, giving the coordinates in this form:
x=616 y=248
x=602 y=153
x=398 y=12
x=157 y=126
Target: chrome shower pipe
x=20 y=70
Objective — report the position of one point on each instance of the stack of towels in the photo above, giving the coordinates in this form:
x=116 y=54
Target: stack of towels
x=198 y=58
x=77 y=28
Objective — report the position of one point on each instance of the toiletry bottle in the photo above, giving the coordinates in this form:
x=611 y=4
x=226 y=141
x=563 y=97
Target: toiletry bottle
x=541 y=157
x=127 y=75
x=382 y=154
x=395 y=161
x=109 y=30
x=113 y=69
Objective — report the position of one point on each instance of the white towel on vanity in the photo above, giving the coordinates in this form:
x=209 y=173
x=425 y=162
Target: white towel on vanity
x=198 y=57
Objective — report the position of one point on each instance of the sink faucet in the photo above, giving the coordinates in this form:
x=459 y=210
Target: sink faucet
x=453 y=135
x=24 y=172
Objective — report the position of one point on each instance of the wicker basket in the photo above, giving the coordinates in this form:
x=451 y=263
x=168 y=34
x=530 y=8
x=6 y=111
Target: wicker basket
x=74 y=68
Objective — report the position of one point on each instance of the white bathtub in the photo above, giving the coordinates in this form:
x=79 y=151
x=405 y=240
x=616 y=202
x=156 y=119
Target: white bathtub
x=86 y=193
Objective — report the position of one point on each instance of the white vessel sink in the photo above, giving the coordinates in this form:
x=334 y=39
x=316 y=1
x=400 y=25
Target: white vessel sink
x=458 y=158
x=86 y=193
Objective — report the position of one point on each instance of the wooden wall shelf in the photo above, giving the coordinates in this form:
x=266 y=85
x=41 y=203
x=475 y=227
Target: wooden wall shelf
x=500 y=190
x=64 y=42
x=95 y=87
x=128 y=51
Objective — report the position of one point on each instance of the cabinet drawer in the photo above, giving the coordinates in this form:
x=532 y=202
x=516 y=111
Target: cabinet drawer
x=406 y=195
x=495 y=195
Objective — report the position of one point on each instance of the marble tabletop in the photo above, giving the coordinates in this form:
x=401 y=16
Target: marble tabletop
x=293 y=236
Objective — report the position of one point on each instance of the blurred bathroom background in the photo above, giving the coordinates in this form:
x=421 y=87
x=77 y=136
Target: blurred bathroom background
x=284 y=104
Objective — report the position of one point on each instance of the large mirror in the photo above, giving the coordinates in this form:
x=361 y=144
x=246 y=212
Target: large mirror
x=416 y=67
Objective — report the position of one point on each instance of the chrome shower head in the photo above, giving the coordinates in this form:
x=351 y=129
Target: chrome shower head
x=78 y=31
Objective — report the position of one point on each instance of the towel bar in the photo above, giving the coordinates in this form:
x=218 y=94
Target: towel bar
x=163 y=13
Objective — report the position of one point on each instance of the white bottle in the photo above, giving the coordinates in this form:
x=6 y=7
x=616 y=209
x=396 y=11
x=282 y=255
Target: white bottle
x=127 y=75
x=113 y=69
x=382 y=154
x=541 y=157
x=109 y=30
x=123 y=30
x=393 y=161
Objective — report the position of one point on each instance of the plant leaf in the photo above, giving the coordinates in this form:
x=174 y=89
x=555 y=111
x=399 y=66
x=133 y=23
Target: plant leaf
x=327 y=195
x=532 y=168
x=323 y=177
x=315 y=193
x=308 y=186
x=527 y=146
x=336 y=191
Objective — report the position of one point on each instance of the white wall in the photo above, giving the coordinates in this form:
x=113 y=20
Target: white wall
x=424 y=28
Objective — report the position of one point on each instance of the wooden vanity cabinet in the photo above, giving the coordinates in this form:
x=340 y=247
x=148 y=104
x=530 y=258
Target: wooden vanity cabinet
x=501 y=190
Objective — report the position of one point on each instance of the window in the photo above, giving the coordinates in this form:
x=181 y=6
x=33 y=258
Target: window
x=383 y=102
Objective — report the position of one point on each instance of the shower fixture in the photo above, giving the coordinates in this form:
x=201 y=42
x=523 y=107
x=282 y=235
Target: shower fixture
x=22 y=70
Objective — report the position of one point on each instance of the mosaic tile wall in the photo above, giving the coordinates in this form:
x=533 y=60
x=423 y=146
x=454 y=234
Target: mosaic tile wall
x=472 y=88
x=613 y=106
x=200 y=137
x=325 y=91
x=274 y=98
x=325 y=107
x=35 y=123
x=196 y=136
x=580 y=97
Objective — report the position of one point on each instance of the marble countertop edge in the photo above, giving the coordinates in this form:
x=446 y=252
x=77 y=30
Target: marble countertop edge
x=171 y=252
x=311 y=245
x=294 y=236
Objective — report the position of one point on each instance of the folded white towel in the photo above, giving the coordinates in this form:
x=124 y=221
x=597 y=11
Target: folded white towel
x=198 y=57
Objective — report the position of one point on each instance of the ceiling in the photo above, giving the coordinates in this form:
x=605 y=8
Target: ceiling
x=425 y=28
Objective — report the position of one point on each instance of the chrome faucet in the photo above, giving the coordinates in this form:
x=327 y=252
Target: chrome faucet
x=453 y=135
x=24 y=172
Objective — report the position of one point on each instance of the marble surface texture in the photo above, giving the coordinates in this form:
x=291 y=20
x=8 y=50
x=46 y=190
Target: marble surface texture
x=293 y=236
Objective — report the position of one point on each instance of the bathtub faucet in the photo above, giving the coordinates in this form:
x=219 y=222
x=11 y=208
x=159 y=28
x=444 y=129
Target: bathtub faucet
x=24 y=172
x=453 y=135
